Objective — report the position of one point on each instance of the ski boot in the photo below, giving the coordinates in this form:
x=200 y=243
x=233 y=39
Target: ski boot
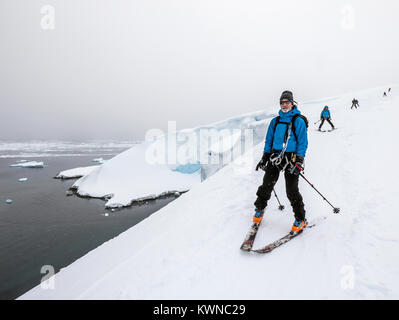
x=259 y=216
x=298 y=226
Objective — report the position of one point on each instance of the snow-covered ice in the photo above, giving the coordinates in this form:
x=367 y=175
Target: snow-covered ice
x=75 y=173
x=128 y=177
x=23 y=179
x=140 y=172
x=190 y=248
x=30 y=164
x=99 y=160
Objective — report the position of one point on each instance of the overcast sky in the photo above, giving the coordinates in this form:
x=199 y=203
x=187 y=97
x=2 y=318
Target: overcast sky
x=114 y=69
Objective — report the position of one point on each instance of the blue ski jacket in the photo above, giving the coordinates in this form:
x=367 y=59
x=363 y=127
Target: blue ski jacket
x=325 y=113
x=297 y=146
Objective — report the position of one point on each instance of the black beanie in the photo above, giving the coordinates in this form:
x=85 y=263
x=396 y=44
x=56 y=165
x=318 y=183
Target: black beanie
x=287 y=95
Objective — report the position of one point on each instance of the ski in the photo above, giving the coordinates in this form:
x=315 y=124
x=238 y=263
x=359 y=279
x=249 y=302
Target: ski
x=250 y=238
x=330 y=130
x=270 y=247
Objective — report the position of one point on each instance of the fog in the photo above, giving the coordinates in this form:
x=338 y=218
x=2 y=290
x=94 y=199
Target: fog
x=114 y=69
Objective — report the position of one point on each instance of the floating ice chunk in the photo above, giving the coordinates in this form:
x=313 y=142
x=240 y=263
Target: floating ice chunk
x=98 y=160
x=107 y=214
x=31 y=164
x=23 y=179
x=8 y=201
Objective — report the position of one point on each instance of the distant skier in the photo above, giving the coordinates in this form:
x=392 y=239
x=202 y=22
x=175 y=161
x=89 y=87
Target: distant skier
x=285 y=150
x=385 y=94
x=389 y=90
x=355 y=103
x=326 y=115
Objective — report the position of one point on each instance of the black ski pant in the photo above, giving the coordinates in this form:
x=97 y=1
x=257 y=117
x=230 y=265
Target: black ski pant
x=291 y=185
x=354 y=105
x=328 y=120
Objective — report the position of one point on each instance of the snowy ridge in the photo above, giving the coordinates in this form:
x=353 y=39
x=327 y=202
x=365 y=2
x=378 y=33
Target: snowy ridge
x=190 y=248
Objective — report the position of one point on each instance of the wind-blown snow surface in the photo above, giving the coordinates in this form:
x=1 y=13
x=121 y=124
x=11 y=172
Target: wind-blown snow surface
x=190 y=248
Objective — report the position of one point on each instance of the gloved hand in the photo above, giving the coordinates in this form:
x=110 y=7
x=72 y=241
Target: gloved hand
x=298 y=166
x=263 y=162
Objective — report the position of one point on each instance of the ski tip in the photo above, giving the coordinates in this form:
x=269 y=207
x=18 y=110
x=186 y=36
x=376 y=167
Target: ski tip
x=246 y=247
x=260 y=251
x=264 y=250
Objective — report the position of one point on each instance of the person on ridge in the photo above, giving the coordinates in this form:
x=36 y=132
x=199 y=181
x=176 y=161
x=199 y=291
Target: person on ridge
x=355 y=103
x=326 y=115
x=285 y=149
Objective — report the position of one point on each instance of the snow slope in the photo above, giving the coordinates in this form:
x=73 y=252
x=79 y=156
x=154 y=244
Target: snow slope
x=190 y=248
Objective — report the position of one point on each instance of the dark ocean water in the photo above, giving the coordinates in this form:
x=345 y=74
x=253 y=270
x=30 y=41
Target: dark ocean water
x=44 y=226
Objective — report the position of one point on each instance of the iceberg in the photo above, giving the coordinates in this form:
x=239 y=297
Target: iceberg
x=99 y=160
x=30 y=164
x=166 y=163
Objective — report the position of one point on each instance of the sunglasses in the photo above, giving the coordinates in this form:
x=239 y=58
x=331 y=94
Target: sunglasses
x=285 y=102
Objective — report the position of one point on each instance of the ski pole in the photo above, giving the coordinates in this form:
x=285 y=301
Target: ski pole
x=281 y=207
x=317 y=122
x=336 y=210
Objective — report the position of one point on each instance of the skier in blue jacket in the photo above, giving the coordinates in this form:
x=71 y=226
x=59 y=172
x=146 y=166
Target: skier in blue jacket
x=285 y=150
x=355 y=103
x=326 y=115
